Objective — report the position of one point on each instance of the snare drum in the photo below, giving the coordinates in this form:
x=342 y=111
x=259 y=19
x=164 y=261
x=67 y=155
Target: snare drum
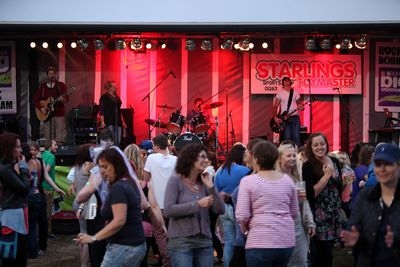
x=176 y=122
x=199 y=124
x=185 y=139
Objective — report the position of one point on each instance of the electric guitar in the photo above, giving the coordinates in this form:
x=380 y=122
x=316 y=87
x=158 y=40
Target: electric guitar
x=49 y=103
x=285 y=117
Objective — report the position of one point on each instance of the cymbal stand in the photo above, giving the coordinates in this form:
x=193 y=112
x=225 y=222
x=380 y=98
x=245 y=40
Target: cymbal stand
x=233 y=129
x=218 y=147
x=157 y=121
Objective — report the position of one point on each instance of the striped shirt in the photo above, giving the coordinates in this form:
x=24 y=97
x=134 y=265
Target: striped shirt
x=270 y=207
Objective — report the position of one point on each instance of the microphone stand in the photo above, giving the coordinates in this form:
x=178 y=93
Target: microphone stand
x=345 y=123
x=233 y=129
x=149 y=93
x=311 y=113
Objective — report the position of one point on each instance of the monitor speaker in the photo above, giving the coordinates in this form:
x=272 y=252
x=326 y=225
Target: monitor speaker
x=66 y=155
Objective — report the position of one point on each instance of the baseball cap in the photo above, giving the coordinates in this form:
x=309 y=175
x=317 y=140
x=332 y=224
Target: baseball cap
x=146 y=145
x=387 y=152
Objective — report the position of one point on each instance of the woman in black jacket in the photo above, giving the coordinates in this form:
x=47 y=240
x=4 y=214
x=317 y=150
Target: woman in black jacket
x=14 y=189
x=375 y=217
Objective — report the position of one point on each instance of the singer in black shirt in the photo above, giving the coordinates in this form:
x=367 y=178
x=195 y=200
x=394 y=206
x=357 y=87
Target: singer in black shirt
x=110 y=111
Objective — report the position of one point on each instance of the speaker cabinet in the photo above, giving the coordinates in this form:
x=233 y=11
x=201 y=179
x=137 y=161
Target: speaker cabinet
x=65 y=155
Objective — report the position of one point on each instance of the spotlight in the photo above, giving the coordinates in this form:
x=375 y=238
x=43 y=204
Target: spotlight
x=60 y=45
x=325 y=43
x=33 y=44
x=264 y=45
x=136 y=44
x=206 y=45
x=310 y=43
x=244 y=44
x=73 y=44
x=345 y=44
x=362 y=42
x=120 y=44
x=190 y=44
x=45 y=45
x=163 y=45
x=82 y=44
x=227 y=44
x=149 y=45
x=98 y=44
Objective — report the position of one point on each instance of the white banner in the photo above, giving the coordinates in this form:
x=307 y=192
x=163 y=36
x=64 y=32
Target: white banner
x=8 y=89
x=315 y=74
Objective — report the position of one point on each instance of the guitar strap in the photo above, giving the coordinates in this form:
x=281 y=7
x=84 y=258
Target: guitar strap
x=290 y=100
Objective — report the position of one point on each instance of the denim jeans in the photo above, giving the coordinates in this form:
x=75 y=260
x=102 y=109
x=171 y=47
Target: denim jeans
x=228 y=224
x=268 y=257
x=34 y=203
x=195 y=257
x=117 y=133
x=292 y=130
x=121 y=255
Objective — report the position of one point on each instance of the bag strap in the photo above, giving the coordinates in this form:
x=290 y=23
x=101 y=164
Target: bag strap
x=290 y=100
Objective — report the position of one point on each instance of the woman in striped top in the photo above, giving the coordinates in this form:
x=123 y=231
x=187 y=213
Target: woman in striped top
x=266 y=209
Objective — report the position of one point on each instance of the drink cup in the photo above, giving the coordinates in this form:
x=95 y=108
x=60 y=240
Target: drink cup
x=301 y=187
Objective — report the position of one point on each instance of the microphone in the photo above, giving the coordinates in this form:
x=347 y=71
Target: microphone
x=172 y=73
x=336 y=88
x=230 y=113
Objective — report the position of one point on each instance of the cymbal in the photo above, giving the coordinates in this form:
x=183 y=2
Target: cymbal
x=158 y=124
x=213 y=105
x=165 y=106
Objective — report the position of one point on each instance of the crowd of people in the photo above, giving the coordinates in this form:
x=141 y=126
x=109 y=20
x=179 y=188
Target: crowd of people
x=273 y=209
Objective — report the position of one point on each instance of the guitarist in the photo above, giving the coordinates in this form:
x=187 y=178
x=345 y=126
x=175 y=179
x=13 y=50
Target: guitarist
x=54 y=126
x=285 y=101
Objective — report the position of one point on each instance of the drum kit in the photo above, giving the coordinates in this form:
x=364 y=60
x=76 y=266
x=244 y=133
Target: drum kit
x=197 y=127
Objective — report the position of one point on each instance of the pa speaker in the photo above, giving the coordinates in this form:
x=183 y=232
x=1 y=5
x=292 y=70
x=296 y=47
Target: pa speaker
x=65 y=155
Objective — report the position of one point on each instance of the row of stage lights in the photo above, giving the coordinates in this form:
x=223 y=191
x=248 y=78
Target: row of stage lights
x=137 y=44
x=325 y=43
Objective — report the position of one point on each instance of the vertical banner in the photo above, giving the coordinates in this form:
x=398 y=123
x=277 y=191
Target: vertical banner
x=8 y=89
x=387 y=76
x=315 y=74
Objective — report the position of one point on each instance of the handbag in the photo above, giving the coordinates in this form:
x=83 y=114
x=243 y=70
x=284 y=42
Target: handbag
x=8 y=243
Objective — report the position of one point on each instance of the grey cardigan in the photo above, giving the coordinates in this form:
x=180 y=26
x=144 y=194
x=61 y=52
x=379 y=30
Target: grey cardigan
x=186 y=218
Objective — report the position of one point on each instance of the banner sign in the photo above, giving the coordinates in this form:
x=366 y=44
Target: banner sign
x=387 y=76
x=315 y=74
x=8 y=90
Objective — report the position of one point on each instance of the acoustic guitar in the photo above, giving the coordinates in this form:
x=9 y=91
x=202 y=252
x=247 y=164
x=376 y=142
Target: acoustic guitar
x=49 y=105
x=285 y=117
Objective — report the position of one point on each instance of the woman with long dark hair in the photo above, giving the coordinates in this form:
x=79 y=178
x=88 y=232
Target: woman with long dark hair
x=126 y=244
x=322 y=175
x=14 y=177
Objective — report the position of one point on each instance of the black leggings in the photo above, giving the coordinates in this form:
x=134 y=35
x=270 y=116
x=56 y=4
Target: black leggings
x=321 y=253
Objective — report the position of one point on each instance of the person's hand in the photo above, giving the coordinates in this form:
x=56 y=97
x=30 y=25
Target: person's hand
x=300 y=107
x=206 y=178
x=102 y=125
x=61 y=192
x=225 y=197
x=361 y=184
x=277 y=120
x=311 y=232
x=327 y=169
x=44 y=110
x=87 y=166
x=389 y=237
x=83 y=239
x=350 y=237
x=79 y=213
x=206 y=202
x=71 y=190
x=62 y=99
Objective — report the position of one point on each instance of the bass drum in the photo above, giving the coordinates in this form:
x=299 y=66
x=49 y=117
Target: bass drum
x=185 y=139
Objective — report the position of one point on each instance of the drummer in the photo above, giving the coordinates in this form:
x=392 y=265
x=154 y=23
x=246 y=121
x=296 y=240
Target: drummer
x=196 y=112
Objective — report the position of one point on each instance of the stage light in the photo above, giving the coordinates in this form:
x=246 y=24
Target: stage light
x=98 y=44
x=345 y=44
x=73 y=44
x=136 y=44
x=206 y=45
x=45 y=45
x=362 y=42
x=190 y=44
x=325 y=43
x=227 y=44
x=33 y=44
x=310 y=43
x=149 y=45
x=244 y=44
x=264 y=45
x=163 y=44
x=60 y=45
x=82 y=44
